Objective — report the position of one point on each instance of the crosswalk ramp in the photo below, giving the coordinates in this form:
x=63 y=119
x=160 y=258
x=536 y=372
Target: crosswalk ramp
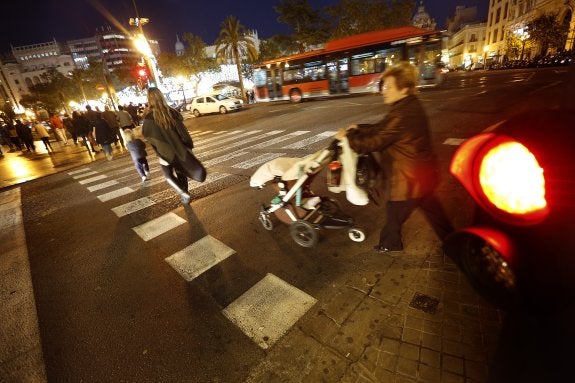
x=272 y=306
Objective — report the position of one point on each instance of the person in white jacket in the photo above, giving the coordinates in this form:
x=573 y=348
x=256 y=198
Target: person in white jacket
x=42 y=132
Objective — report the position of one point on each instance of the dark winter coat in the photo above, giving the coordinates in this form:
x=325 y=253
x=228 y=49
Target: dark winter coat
x=24 y=131
x=81 y=125
x=403 y=141
x=104 y=134
x=170 y=144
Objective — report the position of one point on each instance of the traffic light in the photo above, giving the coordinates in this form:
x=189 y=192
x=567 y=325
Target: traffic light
x=521 y=176
x=142 y=75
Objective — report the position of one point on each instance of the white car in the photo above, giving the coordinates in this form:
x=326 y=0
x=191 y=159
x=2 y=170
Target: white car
x=215 y=104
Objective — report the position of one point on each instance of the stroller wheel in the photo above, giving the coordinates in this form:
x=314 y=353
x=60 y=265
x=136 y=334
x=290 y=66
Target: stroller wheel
x=303 y=233
x=356 y=235
x=266 y=221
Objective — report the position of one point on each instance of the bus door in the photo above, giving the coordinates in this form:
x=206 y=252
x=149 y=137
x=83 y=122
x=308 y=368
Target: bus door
x=338 y=76
x=274 y=83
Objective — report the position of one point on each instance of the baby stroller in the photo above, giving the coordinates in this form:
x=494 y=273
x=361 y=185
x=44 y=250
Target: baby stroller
x=296 y=205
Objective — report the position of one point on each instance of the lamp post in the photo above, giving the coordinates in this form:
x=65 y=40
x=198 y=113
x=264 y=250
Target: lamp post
x=181 y=81
x=142 y=45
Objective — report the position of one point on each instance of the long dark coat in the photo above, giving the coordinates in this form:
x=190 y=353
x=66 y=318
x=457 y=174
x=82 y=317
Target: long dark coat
x=170 y=144
x=403 y=141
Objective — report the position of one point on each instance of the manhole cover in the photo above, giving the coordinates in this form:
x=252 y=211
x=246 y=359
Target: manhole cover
x=424 y=303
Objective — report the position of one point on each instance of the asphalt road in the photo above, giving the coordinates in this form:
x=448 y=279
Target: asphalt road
x=110 y=306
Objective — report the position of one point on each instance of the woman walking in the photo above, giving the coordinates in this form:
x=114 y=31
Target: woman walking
x=164 y=129
x=104 y=135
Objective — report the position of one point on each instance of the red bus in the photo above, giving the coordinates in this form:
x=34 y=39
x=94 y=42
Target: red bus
x=349 y=65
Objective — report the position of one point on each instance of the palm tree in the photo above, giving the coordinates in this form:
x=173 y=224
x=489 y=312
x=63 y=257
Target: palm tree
x=233 y=43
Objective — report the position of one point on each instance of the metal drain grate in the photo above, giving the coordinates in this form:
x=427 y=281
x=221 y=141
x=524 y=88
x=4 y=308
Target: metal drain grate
x=424 y=303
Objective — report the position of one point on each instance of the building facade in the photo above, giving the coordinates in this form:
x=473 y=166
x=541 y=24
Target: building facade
x=512 y=16
x=466 y=46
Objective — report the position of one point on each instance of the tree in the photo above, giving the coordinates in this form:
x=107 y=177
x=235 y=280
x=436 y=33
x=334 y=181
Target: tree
x=277 y=46
x=233 y=43
x=308 y=25
x=350 y=17
x=548 y=32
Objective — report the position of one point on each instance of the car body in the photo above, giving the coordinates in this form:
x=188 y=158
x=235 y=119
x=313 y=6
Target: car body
x=215 y=103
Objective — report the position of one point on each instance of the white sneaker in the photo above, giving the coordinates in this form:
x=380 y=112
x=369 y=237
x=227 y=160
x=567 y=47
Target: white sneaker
x=144 y=178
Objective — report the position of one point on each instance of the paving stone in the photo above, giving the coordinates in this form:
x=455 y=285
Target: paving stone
x=428 y=373
x=390 y=345
x=387 y=361
x=476 y=371
x=430 y=358
x=452 y=348
x=452 y=364
x=409 y=351
x=407 y=367
x=411 y=336
x=447 y=377
x=431 y=341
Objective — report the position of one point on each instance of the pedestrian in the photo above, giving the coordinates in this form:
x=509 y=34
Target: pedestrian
x=69 y=126
x=42 y=132
x=83 y=129
x=124 y=118
x=164 y=129
x=133 y=110
x=57 y=126
x=25 y=135
x=403 y=141
x=112 y=119
x=91 y=116
x=137 y=149
x=104 y=135
x=13 y=134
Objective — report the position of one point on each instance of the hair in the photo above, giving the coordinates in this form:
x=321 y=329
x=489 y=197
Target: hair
x=128 y=135
x=162 y=113
x=405 y=74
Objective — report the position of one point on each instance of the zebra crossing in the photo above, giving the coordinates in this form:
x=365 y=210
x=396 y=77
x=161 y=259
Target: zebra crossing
x=116 y=183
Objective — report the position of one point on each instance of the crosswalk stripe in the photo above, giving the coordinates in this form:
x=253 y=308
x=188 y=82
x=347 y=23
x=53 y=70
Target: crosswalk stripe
x=225 y=157
x=158 y=226
x=115 y=194
x=201 y=133
x=86 y=174
x=200 y=146
x=199 y=257
x=257 y=160
x=133 y=206
x=78 y=171
x=93 y=179
x=235 y=144
x=104 y=185
x=217 y=136
x=310 y=140
x=279 y=139
x=268 y=310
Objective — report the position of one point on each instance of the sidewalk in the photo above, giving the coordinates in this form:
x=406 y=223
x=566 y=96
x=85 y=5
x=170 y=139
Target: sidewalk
x=21 y=166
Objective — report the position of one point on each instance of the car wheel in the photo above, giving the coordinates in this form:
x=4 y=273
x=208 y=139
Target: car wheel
x=197 y=113
x=223 y=110
x=295 y=95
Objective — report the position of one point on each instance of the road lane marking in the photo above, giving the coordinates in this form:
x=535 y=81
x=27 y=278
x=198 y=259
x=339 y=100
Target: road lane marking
x=104 y=185
x=78 y=171
x=199 y=257
x=279 y=139
x=78 y=176
x=93 y=179
x=201 y=146
x=257 y=160
x=132 y=207
x=217 y=136
x=454 y=141
x=158 y=226
x=225 y=157
x=237 y=143
x=115 y=194
x=268 y=310
x=310 y=140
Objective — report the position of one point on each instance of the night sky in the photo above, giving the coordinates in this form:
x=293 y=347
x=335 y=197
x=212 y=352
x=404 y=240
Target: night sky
x=24 y=23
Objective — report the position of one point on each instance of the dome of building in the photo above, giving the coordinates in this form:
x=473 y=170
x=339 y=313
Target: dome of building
x=422 y=19
x=179 y=47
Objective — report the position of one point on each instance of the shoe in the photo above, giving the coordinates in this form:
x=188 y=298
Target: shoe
x=109 y=156
x=144 y=178
x=382 y=250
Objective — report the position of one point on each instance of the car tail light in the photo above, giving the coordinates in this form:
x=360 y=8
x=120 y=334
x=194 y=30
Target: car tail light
x=503 y=177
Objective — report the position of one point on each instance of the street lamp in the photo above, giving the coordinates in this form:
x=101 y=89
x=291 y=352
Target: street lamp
x=523 y=35
x=485 y=50
x=181 y=81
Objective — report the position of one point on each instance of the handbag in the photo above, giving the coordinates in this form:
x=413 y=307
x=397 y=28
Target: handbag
x=367 y=171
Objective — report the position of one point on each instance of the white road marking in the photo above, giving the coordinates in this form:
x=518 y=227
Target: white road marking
x=131 y=207
x=310 y=140
x=104 y=185
x=225 y=157
x=268 y=310
x=279 y=139
x=454 y=141
x=237 y=143
x=115 y=194
x=217 y=136
x=78 y=171
x=85 y=174
x=93 y=179
x=201 y=146
x=199 y=257
x=158 y=226
x=257 y=160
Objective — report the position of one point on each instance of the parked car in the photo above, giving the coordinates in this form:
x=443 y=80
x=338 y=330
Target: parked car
x=215 y=104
